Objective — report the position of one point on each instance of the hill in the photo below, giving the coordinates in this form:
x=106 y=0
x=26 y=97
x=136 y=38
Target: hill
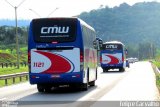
x=132 y=25
x=137 y=26
x=10 y=56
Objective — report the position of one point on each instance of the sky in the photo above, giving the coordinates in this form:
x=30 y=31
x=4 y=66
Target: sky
x=30 y=9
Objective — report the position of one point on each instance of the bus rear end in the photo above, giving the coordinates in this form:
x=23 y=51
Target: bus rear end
x=112 y=57
x=54 y=52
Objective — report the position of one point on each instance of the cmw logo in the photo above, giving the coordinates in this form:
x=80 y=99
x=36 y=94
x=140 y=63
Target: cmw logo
x=54 y=29
x=111 y=46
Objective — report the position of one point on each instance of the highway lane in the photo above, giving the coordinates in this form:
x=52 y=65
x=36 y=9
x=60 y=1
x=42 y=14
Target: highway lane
x=26 y=92
x=29 y=92
x=138 y=85
x=110 y=86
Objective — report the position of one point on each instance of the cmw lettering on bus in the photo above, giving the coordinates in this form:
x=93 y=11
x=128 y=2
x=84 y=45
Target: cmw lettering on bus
x=54 y=29
x=111 y=46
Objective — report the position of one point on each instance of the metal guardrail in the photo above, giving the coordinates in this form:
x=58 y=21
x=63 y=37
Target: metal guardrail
x=157 y=70
x=13 y=77
x=6 y=65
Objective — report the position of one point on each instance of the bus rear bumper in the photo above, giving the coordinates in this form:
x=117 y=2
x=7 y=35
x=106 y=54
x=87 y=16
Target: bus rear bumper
x=112 y=66
x=55 y=78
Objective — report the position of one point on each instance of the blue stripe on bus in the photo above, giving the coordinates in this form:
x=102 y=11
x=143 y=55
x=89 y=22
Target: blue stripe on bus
x=52 y=78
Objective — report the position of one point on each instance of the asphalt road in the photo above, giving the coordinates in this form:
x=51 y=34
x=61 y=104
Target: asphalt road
x=137 y=83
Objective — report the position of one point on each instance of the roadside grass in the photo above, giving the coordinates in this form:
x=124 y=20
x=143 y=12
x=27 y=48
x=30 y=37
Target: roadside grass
x=13 y=70
x=154 y=65
x=8 y=55
x=158 y=81
x=157 y=63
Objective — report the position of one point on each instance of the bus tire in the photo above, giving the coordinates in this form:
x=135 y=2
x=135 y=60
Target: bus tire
x=48 y=89
x=84 y=87
x=92 y=83
x=96 y=74
x=121 y=69
x=40 y=88
x=104 y=70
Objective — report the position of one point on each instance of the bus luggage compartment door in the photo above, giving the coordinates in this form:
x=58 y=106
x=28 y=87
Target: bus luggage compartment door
x=115 y=58
x=55 y=61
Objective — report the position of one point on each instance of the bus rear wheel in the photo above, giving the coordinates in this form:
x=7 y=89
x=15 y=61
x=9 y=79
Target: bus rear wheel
x=92 y=83
x=105 y=70
x=40 y=88
x=48 y=89
x=84 y=87
x=121 y=69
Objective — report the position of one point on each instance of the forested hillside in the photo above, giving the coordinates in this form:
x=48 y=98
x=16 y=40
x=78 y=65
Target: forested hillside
x=132 y=25
x=8 y=38
x=137 y=26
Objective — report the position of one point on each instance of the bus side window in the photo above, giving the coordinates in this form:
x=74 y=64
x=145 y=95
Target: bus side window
x=126 y=51
x=100 y=44
x=95 y=44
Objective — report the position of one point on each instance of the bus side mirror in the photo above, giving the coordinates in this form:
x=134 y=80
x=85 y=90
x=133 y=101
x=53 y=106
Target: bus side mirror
x=126 y=51
x=100 y=44
x=95 y=44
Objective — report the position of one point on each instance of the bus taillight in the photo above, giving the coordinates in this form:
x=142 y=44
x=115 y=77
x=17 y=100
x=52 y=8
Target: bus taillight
x=81 y=57
x=122 y=58
x=100 y=59
x=29 y=57
x=81 y=61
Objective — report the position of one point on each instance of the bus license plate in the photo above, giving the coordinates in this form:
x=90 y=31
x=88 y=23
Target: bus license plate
x=55 y=76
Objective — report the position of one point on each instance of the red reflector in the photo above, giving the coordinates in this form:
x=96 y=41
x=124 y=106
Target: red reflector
x=101 y=59
x=122 y=58
x=78 y=75
x=54 y=42
x=81 y=56
x=29 y=57
x=33 y=76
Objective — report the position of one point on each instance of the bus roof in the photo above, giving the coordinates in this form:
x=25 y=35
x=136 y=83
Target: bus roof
x=81 y=21
x=85 y=24
x=56 y=18
x=113 y=42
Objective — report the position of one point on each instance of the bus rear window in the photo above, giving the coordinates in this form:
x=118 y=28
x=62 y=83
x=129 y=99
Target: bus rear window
x=112 y=47
x=54 y=30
